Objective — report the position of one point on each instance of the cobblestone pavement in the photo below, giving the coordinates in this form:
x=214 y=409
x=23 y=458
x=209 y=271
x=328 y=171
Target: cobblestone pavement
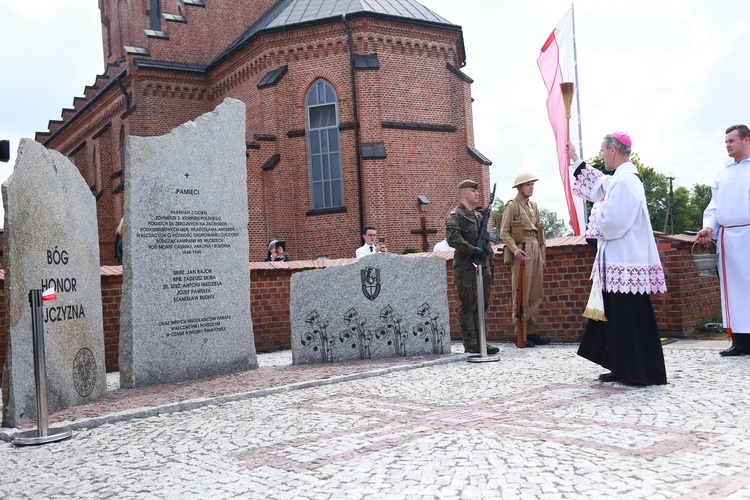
x=537 y=424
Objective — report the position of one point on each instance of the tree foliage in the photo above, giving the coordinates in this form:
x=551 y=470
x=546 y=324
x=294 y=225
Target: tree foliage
x=700 y=197
x=497 y=216
x=680 y=212
x=656 y=186
x=554 y=227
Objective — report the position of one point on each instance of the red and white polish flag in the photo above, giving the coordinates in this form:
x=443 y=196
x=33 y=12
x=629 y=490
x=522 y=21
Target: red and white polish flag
x=49 y=295
x=557 y=64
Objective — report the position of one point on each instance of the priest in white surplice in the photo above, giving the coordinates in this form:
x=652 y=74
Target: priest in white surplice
x=627 y=267
x=727 y=220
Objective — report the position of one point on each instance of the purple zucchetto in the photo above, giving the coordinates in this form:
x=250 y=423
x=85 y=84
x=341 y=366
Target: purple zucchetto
x=623 y=138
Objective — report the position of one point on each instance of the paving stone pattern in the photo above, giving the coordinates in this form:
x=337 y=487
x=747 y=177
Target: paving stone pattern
x=537 y=424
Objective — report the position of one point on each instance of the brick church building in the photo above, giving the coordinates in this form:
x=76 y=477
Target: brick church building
x=357 y=113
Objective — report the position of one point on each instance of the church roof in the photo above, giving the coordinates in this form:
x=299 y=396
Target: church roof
x=301 y=11
x=285 y=14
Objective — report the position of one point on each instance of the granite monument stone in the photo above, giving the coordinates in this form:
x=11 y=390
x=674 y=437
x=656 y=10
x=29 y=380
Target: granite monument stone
x=383 y=305
x=51 y=241
x=186 y=280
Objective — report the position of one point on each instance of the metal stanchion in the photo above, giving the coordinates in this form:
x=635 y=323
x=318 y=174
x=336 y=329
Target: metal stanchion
x=482 y=357
x=42 y=434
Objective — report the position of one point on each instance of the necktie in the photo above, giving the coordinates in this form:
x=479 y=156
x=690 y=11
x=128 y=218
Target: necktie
x=370 y=248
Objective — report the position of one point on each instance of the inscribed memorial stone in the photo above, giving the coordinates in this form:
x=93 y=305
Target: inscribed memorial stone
x=51 y=241
x=186 y=278
x=383 y=305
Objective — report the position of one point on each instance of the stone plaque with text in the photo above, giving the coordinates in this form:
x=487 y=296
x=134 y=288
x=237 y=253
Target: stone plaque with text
x=185 y=309
x=51 y=241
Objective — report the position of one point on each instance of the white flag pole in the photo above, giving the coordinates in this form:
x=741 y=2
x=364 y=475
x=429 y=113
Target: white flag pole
x=575 y=65
x=578 y=108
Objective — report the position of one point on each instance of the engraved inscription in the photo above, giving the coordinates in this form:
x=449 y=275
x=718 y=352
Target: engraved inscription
x=192 y=284
x=55 y=258
x=195 y=326
x=190 y=231
x=84 y=372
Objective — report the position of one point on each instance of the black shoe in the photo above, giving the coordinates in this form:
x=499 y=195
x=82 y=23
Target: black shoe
x=538 y=339
x=530 y=344
x=735 y=350
x=491 y=349
x=609 y=377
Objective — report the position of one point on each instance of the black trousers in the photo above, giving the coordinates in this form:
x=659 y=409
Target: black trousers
x=628 y=343
x=741 y=340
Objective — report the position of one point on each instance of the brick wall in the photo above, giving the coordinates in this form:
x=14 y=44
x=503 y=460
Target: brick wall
x=691 y=299
x=412 y=85
x=269 y=306
x=206 y=32
x=111 y=294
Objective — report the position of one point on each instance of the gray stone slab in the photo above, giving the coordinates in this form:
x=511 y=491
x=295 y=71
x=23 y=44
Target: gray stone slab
x=380 y=306
x=51 y=240
x=185 y=309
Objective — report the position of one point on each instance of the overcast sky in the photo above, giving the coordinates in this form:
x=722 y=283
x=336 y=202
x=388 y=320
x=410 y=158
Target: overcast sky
x=672 y=73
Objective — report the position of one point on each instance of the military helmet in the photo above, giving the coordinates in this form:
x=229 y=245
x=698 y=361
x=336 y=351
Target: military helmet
x=523 y=178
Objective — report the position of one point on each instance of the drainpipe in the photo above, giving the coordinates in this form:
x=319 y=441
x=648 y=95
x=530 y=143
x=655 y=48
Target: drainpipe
x=124 y=92
x=356 y=128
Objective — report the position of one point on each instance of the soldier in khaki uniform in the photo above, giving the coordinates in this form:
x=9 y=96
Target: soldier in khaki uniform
x=521 y=223
x=462 y=232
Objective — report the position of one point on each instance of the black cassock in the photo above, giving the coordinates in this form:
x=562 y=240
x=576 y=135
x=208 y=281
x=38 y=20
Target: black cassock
x=628 y=344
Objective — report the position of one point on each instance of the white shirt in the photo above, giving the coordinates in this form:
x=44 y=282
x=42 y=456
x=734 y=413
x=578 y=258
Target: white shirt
x=366 y=250
x=729 y=197
x=443 y=246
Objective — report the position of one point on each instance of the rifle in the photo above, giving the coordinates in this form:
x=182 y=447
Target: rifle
x=521 y=326
x=484 y=236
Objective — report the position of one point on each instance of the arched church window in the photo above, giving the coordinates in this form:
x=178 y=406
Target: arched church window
x=326 y=184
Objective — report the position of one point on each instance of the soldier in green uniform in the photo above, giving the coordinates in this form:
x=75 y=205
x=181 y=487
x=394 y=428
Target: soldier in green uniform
x=462 y=232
